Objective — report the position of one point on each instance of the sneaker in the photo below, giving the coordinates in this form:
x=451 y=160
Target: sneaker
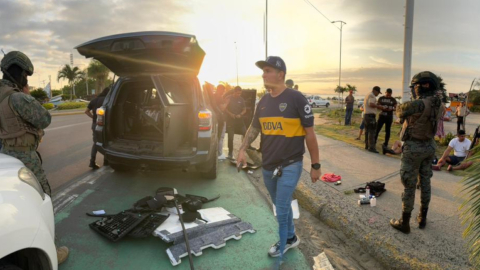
x=275 y=248
x=93 y=165
x=222 y=157
x=230 y=155
x=62 y=254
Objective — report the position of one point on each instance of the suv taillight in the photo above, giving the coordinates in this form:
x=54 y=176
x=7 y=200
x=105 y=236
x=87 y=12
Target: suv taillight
x=100 y=116
x=204 y=120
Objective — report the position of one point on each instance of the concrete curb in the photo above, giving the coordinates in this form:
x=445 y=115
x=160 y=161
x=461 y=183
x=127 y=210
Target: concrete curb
x=336 y=215
x=67 y=113
x=377 y=245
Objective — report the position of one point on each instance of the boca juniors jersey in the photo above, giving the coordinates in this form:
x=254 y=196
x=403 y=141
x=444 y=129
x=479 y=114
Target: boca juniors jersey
x=282 y=121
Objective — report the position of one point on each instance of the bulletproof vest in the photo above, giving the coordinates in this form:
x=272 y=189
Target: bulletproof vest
x=422 y=126
x=14 y=131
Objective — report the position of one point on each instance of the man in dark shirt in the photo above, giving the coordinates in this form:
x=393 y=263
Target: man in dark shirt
x=220 y=105
x=349 y=100
x=387 y=104
x=235 y=111
x=91 y=111
x=285 y=120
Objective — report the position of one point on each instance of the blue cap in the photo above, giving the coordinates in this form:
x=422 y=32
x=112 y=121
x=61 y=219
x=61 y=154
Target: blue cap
x=274 y=62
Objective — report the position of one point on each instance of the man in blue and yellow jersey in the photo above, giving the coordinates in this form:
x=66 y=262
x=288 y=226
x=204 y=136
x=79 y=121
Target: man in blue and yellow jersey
x=285 y=120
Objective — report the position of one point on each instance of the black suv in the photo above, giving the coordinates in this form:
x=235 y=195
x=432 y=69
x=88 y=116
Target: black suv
x=156 y=116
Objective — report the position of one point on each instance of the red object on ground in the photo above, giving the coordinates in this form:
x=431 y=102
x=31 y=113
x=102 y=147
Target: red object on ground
x=331 y=177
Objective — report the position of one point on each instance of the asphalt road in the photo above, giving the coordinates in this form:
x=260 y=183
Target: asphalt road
x=65 y=149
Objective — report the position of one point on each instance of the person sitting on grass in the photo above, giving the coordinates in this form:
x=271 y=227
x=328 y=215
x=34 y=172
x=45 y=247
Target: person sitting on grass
x=396 y=148
x=460 y=145
x=466 y=163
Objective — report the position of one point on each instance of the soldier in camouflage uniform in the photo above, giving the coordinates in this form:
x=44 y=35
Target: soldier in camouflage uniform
x=22 y=120
x=420 y=118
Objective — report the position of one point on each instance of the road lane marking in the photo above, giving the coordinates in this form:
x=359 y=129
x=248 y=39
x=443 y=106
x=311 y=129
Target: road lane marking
x=64 y=203
x=67 y=126
x=61 y=200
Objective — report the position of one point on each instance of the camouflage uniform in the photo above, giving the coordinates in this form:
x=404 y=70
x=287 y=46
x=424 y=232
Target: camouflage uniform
x=33 y=113
x=417 y=159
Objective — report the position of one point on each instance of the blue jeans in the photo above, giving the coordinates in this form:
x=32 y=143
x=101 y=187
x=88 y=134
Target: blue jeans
x=348 y=116
x=281 y=190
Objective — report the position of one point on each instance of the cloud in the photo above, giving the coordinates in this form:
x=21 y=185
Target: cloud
x=47 y=31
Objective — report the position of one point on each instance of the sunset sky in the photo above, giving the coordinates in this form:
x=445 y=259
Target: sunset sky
x=446 y=37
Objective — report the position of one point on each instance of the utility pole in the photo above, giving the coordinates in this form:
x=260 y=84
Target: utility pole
x=407 y=50
x=71 y=64
x=340 y=64
x=236 y=56
x=50 y=82
x=266 y=29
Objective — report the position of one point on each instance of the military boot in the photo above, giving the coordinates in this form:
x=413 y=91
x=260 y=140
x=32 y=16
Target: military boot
x=422 y=218
x=62 y=254
x=402 y=224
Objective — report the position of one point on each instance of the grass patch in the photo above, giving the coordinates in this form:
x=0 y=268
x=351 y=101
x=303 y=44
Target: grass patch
x=71 y=105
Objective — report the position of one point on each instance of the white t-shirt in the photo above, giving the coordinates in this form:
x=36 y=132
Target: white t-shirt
x=460 y=149
x=366 y=103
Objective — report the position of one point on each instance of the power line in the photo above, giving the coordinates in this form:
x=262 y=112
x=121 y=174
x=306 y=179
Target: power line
x=308 y=2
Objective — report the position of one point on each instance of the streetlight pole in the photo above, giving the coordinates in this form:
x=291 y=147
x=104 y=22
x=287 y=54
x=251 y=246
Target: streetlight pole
x=340 y=64
x=407 y=49
x=266 y=29
x=71 y=64
x=236 y=57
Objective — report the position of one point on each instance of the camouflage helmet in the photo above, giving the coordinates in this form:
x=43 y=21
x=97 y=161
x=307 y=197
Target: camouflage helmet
x=19 y=59
x=426 y=77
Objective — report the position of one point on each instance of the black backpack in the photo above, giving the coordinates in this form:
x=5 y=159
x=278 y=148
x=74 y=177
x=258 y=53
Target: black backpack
x=376 y=188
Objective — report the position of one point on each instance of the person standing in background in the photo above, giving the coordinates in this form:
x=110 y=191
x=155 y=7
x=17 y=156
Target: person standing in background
x=349 y=101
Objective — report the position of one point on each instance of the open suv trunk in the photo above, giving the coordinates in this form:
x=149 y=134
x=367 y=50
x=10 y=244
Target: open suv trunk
x=156 y=116
x=143 y=118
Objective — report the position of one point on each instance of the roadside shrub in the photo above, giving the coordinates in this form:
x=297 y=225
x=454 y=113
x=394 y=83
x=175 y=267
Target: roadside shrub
x=445 y=140
x=335 y=113
x=475 y=108
x=71 y=105
x=48 y=106
x=67 y=97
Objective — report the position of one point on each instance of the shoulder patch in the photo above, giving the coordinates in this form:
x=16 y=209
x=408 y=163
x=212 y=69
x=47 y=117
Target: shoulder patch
x=308 y=109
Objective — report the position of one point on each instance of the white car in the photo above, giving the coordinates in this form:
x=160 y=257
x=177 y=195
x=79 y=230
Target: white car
x=27 y=229
x=317 y=101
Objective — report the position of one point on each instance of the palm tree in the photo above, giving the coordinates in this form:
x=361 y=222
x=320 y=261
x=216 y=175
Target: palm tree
x=350 y=87
x=441 y=86
x=71 y=75
x=471 y=209
x=99 y=72
x=340 y=90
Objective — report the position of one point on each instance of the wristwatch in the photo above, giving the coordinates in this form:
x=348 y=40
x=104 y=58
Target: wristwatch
x=316 y=166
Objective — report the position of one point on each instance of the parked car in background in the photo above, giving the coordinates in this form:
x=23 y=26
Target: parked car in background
x=27 y=231
x=156 y=116
x=359 y=104
x=317 y=101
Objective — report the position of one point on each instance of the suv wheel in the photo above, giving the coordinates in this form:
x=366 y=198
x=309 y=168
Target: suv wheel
x=8 y=266
x=212 y=173
x=326 y=105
